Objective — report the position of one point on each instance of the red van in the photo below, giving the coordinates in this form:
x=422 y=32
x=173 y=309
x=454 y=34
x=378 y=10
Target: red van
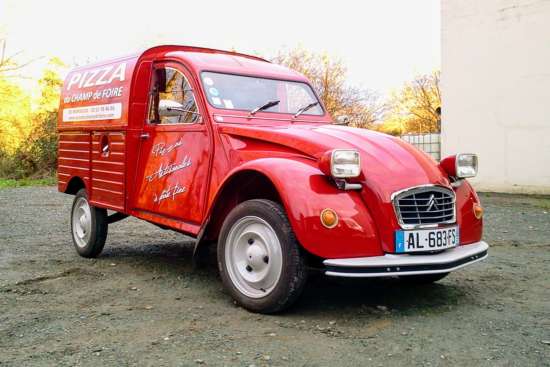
x=236 y=151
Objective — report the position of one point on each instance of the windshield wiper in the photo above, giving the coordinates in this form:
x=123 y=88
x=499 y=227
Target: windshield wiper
x=304 y=109
x=264 y=106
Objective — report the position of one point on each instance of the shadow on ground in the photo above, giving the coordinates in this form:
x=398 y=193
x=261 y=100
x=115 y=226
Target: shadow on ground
x=322 y=294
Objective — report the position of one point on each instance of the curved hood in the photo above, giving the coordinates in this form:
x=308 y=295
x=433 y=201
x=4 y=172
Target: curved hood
x=388 y=164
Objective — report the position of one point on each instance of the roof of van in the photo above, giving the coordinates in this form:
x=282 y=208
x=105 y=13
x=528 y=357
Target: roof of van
x=207 y=59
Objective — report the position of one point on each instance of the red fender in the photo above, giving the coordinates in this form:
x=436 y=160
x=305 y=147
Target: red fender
x=305 y=191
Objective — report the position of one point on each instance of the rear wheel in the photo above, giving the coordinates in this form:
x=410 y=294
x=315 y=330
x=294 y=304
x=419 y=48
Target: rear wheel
x=422 y=279
x=259 y=258
x=88 y=226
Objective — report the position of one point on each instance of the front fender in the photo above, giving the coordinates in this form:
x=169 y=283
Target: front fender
x=305 y=191
x=471 y=228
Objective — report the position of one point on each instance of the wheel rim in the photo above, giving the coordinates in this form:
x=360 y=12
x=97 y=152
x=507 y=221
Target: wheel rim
x=82 y=222
x=253 y=257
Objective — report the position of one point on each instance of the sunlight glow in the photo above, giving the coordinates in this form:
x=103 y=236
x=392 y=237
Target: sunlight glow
x=383 y=42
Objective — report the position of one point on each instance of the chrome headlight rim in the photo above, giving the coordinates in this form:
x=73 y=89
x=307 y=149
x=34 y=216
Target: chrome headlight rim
x=459 y=170
x=357 y=158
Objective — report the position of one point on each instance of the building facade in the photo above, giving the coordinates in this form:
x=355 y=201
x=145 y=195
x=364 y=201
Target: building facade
x=495 y=85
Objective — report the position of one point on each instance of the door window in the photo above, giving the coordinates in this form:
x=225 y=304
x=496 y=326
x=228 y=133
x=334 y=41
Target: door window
x=170 y=84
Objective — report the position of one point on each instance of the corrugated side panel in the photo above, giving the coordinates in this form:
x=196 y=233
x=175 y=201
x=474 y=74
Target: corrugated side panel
x=108 y=170
x=73 y=158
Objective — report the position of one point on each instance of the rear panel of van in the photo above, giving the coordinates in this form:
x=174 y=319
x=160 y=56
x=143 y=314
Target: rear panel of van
x=92 y=125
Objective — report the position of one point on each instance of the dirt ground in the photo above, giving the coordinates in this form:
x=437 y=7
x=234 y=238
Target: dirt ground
x=141 y=302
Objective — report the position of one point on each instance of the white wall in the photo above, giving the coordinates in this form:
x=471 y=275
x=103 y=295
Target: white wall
x=495 y=84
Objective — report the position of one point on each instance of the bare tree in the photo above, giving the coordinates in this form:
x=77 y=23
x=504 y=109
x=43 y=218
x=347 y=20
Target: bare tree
x=417 y=106
x=8 y=63
x=329 y=78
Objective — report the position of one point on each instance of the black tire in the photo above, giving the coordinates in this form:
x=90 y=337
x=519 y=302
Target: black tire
x=91 y=244
x=293 y=273
x=422 y=279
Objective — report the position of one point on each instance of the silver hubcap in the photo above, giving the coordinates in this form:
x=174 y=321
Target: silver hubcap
x=253 y=257
x=82 y=222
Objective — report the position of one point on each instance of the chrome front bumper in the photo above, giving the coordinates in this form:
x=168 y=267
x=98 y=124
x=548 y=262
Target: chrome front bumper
x=405 y=264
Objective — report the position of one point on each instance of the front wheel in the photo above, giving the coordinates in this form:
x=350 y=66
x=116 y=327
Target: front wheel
x=88 y=226
x=259 y=258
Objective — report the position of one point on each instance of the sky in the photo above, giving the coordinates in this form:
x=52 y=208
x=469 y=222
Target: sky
x=383 y=43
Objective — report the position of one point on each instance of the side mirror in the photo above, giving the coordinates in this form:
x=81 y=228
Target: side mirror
x=169 y=108
x=342 y=120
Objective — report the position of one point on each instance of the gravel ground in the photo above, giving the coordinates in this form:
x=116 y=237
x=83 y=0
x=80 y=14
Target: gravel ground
x=141 y=302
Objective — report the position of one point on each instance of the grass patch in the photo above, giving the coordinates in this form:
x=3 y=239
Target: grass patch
x=543 y=203
x=6 y=183
x=503 y=199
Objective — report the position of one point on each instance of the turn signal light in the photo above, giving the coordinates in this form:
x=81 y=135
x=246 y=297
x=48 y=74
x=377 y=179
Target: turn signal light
x=478 y=211
x=329 y=218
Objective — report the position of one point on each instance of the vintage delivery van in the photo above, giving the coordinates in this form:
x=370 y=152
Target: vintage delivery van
x=241 y=154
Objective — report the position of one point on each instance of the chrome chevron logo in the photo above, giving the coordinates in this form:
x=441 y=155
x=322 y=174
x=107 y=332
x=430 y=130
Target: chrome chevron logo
x=432 y=205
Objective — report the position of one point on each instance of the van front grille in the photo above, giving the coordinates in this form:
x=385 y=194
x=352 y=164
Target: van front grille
x=425 y=205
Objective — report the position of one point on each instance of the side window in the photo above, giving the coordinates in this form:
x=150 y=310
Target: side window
x=170 y=84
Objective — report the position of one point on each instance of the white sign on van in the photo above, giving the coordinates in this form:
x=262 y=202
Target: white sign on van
x=110 y=111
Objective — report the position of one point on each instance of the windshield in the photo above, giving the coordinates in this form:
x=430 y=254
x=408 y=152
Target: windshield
x=237 y=92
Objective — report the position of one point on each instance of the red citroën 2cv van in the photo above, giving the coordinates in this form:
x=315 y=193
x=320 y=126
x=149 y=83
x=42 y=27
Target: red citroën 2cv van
x=236 y=151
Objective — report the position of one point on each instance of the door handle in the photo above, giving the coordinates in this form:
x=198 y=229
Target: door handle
x=144 y=136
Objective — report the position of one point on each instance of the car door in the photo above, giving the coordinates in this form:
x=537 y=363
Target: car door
x=173 y=166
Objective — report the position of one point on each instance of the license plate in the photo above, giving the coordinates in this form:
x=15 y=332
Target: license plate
x=426 y=239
